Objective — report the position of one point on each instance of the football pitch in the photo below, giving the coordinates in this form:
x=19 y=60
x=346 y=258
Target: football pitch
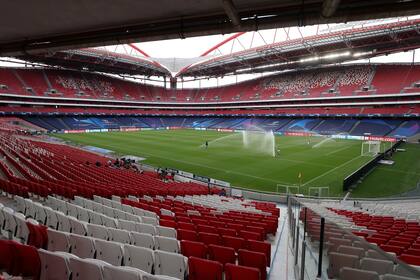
x=307 y=162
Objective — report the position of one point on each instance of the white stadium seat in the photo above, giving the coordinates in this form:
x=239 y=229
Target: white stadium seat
x=109 y=222
x=120 y=235
x=122 y=273
x=143 y=240
x=120 y=215
x=167 y=244
x=40 y=214
x=83 y=214
x=97 y=231
x=166 y=231
x=82 y=246
x=53 y=266
x=30 y=209
x=170 y=264
x=86 y=269
x=58 y=240
x=146 y=228
x=72 y=210
x=77 y=227
x=22 y=230
x=347 y=273
x=380 y=266
x=127 y=225
x=95 y=218
x=10 y=224
x=20 y=204
x=108 y=251
x=52 y=219
x=63 y=222
x=139 y=257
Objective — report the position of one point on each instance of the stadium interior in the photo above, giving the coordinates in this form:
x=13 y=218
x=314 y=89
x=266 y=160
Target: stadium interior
x=116 y=162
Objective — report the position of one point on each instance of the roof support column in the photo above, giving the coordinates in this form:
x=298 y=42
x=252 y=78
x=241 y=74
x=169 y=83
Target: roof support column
x=329 y=7
x=231 y=12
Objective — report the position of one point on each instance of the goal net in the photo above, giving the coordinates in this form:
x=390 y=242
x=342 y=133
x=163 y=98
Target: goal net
x=319 y=191
x=288 y=189
x=259 y=141
x=370 y=148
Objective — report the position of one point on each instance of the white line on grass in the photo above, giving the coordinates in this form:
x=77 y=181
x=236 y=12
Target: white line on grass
x=329 y=171
x=338 y=150
x=214 y=168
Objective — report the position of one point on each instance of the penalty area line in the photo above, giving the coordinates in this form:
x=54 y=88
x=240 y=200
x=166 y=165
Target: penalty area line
x=331 y=170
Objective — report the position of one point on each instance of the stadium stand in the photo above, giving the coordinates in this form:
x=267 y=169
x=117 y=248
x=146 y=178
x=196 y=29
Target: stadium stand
x=326 y=82
x=86 y=233
x=389 y=226
x=375 y=127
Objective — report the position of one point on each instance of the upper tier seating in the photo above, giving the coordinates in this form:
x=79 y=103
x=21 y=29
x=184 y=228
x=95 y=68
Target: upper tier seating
x=328 y=82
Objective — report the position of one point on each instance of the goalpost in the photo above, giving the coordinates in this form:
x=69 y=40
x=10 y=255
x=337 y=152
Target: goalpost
x=288 y=189
x=319 y=191
x=370 y=148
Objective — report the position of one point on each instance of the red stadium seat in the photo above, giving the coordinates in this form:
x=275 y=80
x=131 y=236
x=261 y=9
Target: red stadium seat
x=227 y=231
x=209 y=238
x=414 y=252
x=187 y=226
x=234 y=242
x=7 y=248
x=19 y=260
x=201 y=269
x=38 y=236
x=250 y=235
x=394 y=249
x=260 y=246
x=399 y=243
x=183 y=234
x=253 y=259
x=167 y=223
x=222 y=254
x=205 y=228
x=410 y=259
x=239 y=272
x=195 y=249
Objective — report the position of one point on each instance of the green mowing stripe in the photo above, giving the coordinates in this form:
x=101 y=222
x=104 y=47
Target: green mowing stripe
x=226 y=159
x=330 y=171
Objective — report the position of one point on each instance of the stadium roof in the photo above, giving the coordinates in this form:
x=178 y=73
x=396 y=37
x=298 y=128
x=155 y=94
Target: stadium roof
x=28 y=27
x=359 y=40
x=332 y=47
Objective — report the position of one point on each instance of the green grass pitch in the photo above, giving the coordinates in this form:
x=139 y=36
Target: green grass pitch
x=226 y=159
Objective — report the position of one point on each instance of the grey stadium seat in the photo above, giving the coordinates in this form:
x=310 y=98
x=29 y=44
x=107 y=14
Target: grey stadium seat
x=380 y=266
x=58 y=240
x=53 y=266
x=170 y=264
x=337 y=261
x=167 y=244
x=347 y=273
x=139 y=257
x=142 y=240
x=108 y=251
x=82 y=246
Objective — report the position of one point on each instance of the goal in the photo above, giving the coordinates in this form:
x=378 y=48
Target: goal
x=288 y=189
x=319 y=191
x=370 y=148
